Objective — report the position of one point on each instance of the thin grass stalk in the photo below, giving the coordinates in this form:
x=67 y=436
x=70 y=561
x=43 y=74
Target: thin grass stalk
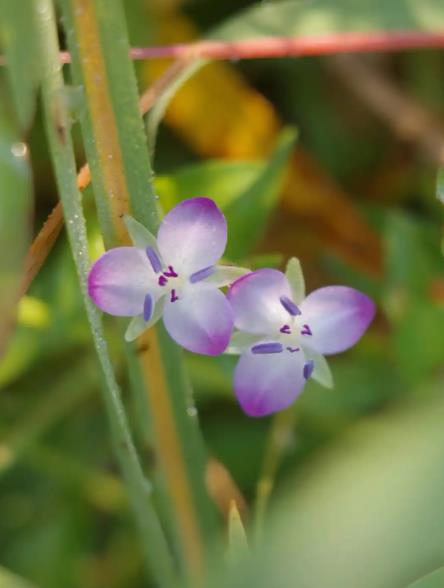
x=62 y=154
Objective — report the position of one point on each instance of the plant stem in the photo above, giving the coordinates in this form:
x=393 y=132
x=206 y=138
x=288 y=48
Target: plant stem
x=62 y=153
x=279 y=439
x=118 y=157
x=269 y=47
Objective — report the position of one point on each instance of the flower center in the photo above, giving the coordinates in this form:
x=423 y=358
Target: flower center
x=165 y=276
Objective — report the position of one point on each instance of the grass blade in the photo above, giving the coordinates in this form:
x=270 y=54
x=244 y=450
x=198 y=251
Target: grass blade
x=56 y=119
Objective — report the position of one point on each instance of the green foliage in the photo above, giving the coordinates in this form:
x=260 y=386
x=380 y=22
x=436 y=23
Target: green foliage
x=15 y=216
x=358 y=500
x=296 y=18
x=433 y=580
x=18 y=39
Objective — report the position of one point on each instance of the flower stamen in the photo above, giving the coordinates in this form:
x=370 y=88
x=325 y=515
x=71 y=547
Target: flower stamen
x=293 y=349
x=154 y=259
x=308 y=368
x=202 y=274
x=285 y=329
x=148 y=307
x=263 y=348
x=289 y=306
x=306 y=330
x=170 y=273
x=174 y=297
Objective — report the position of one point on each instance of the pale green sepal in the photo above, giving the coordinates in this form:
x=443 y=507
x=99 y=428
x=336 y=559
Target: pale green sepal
x=138 y=324
x=140 y=235
x=240 y=342
x=321 y=373
x=224 y=275
x=296 y=280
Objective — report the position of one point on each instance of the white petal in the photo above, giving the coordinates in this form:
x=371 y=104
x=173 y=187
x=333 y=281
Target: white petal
x=193 y=235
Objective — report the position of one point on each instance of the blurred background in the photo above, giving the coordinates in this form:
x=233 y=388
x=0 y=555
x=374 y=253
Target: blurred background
x=360 y=479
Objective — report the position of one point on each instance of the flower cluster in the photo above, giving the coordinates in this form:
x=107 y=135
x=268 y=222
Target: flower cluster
x=281 y=335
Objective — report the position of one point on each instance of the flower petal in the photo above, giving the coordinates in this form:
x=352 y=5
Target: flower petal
x=201 y=320
x=193 y=235
x=267 y=383
x=119 y=281
x=138 y=324
x=338 y=316
x=256 y=301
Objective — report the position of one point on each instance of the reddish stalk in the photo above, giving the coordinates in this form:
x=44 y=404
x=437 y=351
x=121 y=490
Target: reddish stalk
x=289 y=46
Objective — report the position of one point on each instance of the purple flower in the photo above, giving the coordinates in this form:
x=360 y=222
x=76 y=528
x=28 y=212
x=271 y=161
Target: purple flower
x=174 y=275
x=283 y=335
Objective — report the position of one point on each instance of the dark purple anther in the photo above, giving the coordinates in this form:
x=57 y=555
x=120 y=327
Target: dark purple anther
x=306 y=330
x=293 y=349
x=289 y=306
x=170 y=273
x=148 y=307
x=285 y=329
x=267 y=348
x=308 y=368
x=202 y=274
x=162 y=281
x=173 y=296
x=154 y=259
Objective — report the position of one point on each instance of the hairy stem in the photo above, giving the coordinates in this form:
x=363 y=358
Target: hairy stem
x=62 y=154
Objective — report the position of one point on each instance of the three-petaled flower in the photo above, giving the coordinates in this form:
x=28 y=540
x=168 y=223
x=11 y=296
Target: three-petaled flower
x=174 y=275
x=283 y=335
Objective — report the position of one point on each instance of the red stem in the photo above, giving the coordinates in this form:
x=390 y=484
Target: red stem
x=288 y=46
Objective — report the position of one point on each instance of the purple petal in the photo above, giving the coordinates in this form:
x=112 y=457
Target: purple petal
x=338 y=316
x=256 y=301
x=193 y=235
x=268 y=383
x=119 y=281
x=201 y=320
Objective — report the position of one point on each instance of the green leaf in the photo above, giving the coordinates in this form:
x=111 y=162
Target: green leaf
x=18 y=38
x=433 y=580
x=305 y=18
x=221 y=180
x=246 y=192
x=237 y=537
x=15 y=217
x=440 y=185
x=367 y=512
x=9 y=580
x=298 y=18
x=248 y=215
x=56 y=117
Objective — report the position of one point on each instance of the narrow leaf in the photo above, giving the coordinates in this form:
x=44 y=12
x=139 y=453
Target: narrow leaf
x=15 y=216
x=433 y=580
x=237 y=537
x=248 y=215
x=18 y=38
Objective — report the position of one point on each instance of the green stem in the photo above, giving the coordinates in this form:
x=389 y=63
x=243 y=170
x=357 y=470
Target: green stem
x=279 y=439
x=62 y=153
x=122 y=178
